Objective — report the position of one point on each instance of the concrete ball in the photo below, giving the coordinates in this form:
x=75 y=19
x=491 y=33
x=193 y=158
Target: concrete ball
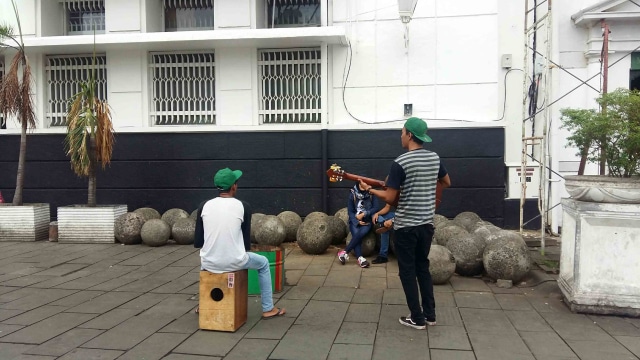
x=439 y=219
x=368 y=243
x=256 y=219
x=315 y=214
x=147 y=213
x=172 y=215
x=184 y=231
x=194 y=215
x=467 y=219
x=343 y=214
x=271 y=231
x=314 y=236
x=443 y=235
x=338 y=230
x=127 y=228
x=467 y=250
x=507 y=258
x=291 y=221
x=155 y=232
x=442 y=264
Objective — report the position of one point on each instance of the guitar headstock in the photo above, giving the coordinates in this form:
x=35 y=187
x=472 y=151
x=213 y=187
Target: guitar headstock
x=335 y=173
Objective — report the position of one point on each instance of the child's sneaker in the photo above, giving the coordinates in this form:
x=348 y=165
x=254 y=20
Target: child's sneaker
x=363 y=262
x=343 y=257
x=406 y=321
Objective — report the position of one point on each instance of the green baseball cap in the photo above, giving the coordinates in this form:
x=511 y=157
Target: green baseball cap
x=225 y=178
x=418 y=128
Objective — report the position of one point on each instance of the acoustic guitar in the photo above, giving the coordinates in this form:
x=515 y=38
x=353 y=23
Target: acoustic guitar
x=336 y=173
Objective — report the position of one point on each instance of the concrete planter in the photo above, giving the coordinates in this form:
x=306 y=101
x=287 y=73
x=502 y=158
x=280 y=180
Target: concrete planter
x=599 y=266
x=603 y=189
x=29 y=222
x=82 y=224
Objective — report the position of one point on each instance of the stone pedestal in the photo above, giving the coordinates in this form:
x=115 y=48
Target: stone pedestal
x=28 y=222
x=82 y=224
x=599 y=264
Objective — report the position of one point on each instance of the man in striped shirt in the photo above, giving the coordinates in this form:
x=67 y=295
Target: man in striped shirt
x=412 y=186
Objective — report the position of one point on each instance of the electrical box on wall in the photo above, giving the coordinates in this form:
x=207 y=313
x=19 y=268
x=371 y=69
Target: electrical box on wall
x=532 y=177
x=506 y=61
x=408 y=110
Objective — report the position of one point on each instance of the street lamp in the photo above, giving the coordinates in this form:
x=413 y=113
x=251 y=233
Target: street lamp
x=405 y=9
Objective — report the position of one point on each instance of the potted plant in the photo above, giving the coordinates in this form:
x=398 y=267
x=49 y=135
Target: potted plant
x=601 y=220
x=19 y=221
x=89 y=142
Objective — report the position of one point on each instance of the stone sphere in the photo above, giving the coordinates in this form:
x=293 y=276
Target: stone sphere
x=194 y=215
x=443 y=235
x=338 y=230
x=488 y=233
x=256 y=218
x=343 y=214
x=314 y=236
x=442 y=264
x=291 y=221
x=172 y=215
x=127 y=228
x=315 y=214
x=466 y=219
x=184 y=231
x=467 y=250
x=368 y=243
x=155 y=232
x=507 y=258
x=147 y=213
x=271 y=231
x=439 y=219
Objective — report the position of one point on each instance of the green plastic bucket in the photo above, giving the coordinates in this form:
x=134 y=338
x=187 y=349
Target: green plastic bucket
x=275 y=255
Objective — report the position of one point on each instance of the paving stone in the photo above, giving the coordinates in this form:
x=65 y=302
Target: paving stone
x=110 y=319
x=294 y=307
x=211 y=343
x=27 y=280
x=82 y=283
x=47 y=329
x=394 y=296
x=274 y=329
x=301 y=293
x=615 y=325
x=64 y=343
x=77 y=298
x=17 y=294
x=94 y=354
x=35 y=315
x=41 y=297
x=513 y=302
x=364 y=313
x=599 y=350
x=393 y=282
x=448 y=337
x=444 y=299
x=356 y=333
x=411 y=343
x=547 y=345
x=524 y=320
x=292 y=277
x=389 y=315
x=375 y=271
x=323 y=314
x=373 y=283
x=443 y=288
x=252 y=349
x=186 y=324
x=6 y=329
x=486 y=321
x=437 y=354
x=189 y=357
x=349 y=279
x=498 y=290
x=508 y=345
x=631 y=343
x=55 y=281
x=129 y=333
x=461 y=283
x=328 y=293
x=297 y=263
x=112 y=284
x=476 y=300
x=33 y=357
x=576 y=327
x=8 y=314
x=175 y=286
x=62 y=270
x=144 y=301
x=448 y=316
x=367 y=296
x=315 y=270
x=351 y=352
x=104 y=303
x=155 y=346
x=174 y=306
x=10 y=351
x=309 y=342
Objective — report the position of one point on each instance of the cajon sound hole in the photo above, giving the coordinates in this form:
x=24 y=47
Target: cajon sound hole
x=217 y=294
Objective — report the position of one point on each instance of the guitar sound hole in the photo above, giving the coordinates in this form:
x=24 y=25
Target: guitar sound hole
x=217 y=294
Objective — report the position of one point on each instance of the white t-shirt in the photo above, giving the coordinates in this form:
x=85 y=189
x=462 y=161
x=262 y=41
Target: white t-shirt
x=223 y=248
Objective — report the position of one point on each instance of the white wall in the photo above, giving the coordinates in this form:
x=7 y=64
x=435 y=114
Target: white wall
x=125 y=70
x=235 y=84
x=123 y=16
x=232 y=14
x=153 y=17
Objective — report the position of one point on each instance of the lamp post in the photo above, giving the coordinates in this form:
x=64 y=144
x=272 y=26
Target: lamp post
x=405 y=10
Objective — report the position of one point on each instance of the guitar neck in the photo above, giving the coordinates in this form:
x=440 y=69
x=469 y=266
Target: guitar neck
x=368 y=181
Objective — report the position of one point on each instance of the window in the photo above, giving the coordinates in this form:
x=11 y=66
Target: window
x=183 y=88
x=2 y=123
x=290 y=86
x=64 y=76
x=292 y=13
x=82 y=16
x=182 y=15
x=634 y=73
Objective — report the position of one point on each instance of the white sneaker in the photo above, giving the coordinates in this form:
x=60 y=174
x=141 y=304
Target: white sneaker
x=363 y=262
x=343 y=257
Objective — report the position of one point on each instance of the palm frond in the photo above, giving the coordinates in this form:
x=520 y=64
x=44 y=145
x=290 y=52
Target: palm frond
x=76 y=142
x=104 y=133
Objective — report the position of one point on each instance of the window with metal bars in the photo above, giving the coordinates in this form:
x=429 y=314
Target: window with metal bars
x=83 y=16
x=2 y=123
x=185 y=15
x=292 y=13
x=64 y=77
x=634 y=73
x=182 y=88
x=289 y=86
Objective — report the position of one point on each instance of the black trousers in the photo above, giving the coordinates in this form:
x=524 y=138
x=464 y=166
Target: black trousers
x=412 y=249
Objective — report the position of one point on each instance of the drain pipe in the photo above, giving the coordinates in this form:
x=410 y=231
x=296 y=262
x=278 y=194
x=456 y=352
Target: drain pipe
x=325 y=165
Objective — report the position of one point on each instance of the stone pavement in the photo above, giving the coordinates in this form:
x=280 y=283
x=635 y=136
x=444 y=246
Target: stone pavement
x=90 y=301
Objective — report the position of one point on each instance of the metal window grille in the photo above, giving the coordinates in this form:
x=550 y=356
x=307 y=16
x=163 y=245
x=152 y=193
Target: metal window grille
x=82 y=16
x=2 y=124
x=292 y=13
x=64 y=76
x=290 y=85
x=183 y=15
x=183 y=88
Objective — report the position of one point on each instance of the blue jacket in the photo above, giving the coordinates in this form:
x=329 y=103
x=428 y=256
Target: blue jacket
x=370 y=204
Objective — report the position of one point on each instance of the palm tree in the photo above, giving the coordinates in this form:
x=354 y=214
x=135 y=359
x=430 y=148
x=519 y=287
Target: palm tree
x=15 y=95
x=90 y=134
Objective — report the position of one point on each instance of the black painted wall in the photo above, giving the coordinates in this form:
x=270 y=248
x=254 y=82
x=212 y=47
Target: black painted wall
x=282 y=170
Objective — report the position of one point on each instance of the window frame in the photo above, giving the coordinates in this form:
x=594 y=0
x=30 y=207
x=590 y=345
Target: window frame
x=66 y=19
x=270 y=9
x=188 y=4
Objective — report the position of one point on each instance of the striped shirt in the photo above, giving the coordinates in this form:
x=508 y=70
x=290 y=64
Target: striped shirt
x=415 y=174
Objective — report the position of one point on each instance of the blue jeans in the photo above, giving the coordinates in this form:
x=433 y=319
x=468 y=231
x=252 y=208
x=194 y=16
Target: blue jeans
x=384 y=237
x=358 y=232
x=261 y=263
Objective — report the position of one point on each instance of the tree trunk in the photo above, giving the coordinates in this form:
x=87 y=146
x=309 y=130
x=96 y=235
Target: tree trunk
x=92 y=172
x=583 y=158
x=17 y=196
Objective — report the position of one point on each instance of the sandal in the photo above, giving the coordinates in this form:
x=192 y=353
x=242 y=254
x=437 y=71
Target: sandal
x=197 y=310
x=281 y=312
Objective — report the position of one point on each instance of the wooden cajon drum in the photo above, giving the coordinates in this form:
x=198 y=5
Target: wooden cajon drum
x=223 y=300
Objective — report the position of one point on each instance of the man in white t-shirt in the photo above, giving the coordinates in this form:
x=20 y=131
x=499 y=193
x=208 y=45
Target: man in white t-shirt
x=222 y=234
